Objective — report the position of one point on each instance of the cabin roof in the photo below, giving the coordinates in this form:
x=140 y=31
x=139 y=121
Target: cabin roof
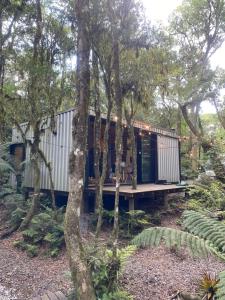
x=137 y=124
x=141 y=125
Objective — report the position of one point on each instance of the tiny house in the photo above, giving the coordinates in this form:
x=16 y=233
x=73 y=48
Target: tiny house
x=158 y=158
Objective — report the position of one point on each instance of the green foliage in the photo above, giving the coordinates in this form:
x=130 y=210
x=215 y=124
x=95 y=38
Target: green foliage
x=186 y=169
x=207 y=196
x=207 y=228
x=156 y=218
x=118 y=295
x=221 y=287
x=14 y=206
x=133 y=222
x=105 y=270
x=173 y=239
x=46 y=229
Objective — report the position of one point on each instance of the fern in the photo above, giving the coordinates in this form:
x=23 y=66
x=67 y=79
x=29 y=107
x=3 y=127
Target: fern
x=175 y=238
x=6 y=166
x=206 y=228
x=220 y=294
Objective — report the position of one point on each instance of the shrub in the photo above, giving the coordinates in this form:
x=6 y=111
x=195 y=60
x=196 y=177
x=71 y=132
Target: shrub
x=133 y=222
x=118 y=295
x=46 y=229
x=105 y=269
x=207 y=197
x=14 y=205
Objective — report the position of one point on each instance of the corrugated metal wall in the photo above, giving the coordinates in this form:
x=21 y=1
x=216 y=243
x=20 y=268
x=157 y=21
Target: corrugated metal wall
x=168 y=159
x=56 y=149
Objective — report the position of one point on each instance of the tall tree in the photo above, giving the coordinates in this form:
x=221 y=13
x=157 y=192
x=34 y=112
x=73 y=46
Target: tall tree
x=77 y=255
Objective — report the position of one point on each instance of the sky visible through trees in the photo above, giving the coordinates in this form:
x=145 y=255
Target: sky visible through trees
x=159 y=12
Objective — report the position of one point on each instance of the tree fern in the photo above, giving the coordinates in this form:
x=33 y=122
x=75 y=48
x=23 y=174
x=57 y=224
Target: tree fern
x=206 y=228
x=174 y=238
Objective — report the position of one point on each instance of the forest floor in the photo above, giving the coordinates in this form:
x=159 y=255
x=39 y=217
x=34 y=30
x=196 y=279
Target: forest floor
x=149 y=274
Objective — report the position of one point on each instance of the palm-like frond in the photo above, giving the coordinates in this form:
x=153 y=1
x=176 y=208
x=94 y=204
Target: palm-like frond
x=206 y=228
x=220 y=294
x=174 y=238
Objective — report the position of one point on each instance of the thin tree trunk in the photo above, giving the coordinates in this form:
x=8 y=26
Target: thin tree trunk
x=81 y=275
x=107 y=83
x=97 y=131
x=129 y=117
x=52 y=188
x=134 y=156
x=37 y=175
x=104 y=168
x=179 y=121
x=118 y=142
x=2 y=64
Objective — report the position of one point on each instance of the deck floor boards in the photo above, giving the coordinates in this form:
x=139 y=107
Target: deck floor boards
x=126 y=190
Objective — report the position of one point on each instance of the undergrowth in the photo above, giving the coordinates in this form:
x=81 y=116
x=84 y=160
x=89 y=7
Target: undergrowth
x=45 y=233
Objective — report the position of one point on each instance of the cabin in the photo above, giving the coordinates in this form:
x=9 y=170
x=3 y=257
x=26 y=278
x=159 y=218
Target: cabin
x=158 y=157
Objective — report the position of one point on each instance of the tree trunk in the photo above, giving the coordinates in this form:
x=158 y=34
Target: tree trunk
x=118 y=142
x=104 y=168
x=37 y=175
x=2 y=64
x=35 y=200
x=134 y=156
x=81 y=275
x=52 y=188
x=97 y=131
x=107 y=83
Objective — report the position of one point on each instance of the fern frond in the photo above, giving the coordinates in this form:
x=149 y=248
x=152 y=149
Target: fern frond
x=220 y=293
x=206 y=228
x=5 y=166
x=152 y=237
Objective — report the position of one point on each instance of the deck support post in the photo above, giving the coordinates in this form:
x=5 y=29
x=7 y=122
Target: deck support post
x=131 y=204
x=166 y=200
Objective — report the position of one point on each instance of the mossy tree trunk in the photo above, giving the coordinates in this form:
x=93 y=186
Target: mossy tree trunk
x=81 y=275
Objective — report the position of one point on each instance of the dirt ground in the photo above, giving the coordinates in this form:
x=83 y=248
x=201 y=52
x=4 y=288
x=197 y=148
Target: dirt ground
x=152 y=274
x=157 y=273
x=22 y=277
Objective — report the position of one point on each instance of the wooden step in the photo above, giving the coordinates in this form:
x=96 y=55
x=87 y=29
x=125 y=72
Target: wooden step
x=51 y=296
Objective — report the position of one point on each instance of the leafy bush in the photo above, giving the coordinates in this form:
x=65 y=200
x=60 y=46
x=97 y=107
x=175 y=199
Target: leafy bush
x=105 y=270
x=207 y=197
x=14 y=206
x=118 y=295
x=45 y=230
x=133 y=222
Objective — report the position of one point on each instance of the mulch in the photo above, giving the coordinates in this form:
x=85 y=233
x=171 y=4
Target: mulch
x=151 y=274
x=24 y=277
x=157 y=273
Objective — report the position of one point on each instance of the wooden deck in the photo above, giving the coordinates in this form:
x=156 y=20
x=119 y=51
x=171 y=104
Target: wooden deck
x=51 y=296
x=143 y=190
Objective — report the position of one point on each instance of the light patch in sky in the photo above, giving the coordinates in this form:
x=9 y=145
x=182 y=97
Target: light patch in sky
x=159 y=11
